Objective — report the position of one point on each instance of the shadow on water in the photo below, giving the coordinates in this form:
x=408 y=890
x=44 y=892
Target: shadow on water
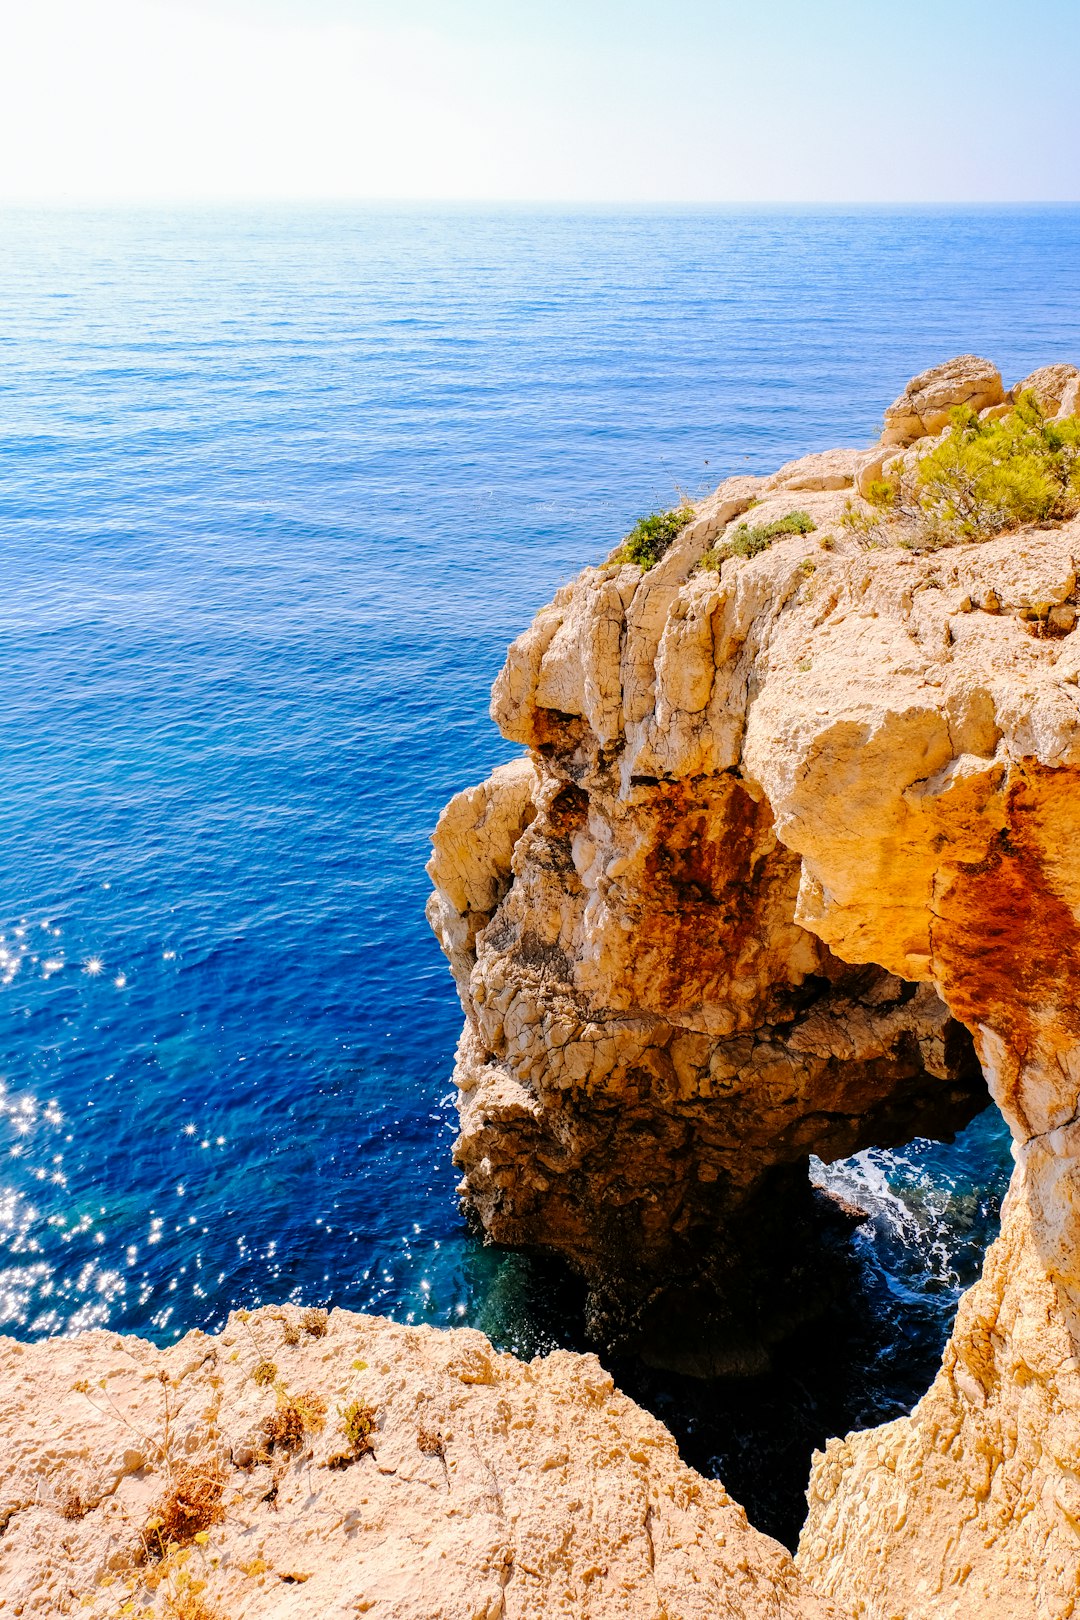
x=889 y=1292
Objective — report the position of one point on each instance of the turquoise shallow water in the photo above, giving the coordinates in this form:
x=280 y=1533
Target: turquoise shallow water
x=275 y=492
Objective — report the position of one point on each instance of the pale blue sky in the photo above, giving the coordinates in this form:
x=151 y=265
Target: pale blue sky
x=576 y=100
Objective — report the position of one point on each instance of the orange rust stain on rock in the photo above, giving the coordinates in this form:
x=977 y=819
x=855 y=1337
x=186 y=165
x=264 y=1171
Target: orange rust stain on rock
x=714 y=867
x=1006 y=943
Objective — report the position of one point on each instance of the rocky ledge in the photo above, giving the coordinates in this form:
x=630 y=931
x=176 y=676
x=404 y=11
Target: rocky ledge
x=297 y=1465
x=789 y=863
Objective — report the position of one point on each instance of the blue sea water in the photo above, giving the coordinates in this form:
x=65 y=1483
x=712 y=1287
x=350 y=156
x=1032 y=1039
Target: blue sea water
x=276 y=489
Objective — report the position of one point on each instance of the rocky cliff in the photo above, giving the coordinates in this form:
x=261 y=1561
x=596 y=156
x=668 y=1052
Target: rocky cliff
x=795 y=836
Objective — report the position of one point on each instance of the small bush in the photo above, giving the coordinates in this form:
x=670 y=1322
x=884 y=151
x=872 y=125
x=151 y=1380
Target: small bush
x=293 y=1418
x=651 y=536
x=750 y=541
x=986 y=477
x=358 y=1426
x=265 y=1372
x=983 y=478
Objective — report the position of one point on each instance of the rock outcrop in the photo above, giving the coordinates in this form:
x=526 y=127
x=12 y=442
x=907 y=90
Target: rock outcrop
x=655 y=1045
x=216 y=1481
x=970 y=1508
x=801 y=825
x=655 y=1040
x=923 y=408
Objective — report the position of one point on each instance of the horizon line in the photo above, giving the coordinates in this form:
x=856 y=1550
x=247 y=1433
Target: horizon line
x=243 y=200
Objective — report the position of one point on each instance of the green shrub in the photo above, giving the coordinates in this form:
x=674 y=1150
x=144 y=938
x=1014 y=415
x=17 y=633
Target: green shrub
x=358 y=1426
x=750 y=541
x=652 y=535
x=984 y=478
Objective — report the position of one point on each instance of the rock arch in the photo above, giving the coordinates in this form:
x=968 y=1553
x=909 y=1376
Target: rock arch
x=794 y=839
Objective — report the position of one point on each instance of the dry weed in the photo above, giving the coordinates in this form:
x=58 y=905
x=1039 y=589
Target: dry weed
x=430 y=1442
x=293 y=1418
x=192 y=1504
x=71 y=1504
x=188 y=1605
x=358 y=1426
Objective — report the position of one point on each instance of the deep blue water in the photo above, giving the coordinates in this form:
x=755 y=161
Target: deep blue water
x=276 y=489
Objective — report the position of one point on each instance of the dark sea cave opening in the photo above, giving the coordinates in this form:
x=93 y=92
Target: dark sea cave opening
x=890 y=1286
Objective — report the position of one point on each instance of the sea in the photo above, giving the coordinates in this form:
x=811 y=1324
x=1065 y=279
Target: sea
x=277 y=487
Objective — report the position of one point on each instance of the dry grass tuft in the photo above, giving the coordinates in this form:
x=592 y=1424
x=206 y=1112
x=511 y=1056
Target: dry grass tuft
x=430 y=1442
x=71 y=1504
x=265 y=1372
x=314 y=1322
x=358 y=1425
x=192 y=1504
x=290 y=1331
x=294 y=1417
x=189 y=1605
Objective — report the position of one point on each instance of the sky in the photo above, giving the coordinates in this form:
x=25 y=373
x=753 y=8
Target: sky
x=620 y=101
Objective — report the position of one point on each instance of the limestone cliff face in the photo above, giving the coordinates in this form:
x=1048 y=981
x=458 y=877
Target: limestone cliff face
x=798 y=828
x=655 y=1041
x=187 y=1484
x=655 y=1045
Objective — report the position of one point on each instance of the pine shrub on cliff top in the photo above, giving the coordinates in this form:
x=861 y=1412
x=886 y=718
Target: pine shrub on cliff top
x=982 y=479
x=652 y=536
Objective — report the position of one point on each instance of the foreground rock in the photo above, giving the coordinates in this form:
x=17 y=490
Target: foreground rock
x=754 y=778
x=923 y=408
x=215 y=1481
x=970 y=1508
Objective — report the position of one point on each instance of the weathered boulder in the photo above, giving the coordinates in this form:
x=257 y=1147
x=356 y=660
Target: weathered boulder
x=925 y=404
x=1048 y=384
x=216 y=1480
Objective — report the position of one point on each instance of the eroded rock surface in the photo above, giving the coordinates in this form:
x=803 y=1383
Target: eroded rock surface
x=970 y=1508
x=655 y=1040
x=895 y=739
x=493 y=1490
x=924 y=406
x=655 y=1047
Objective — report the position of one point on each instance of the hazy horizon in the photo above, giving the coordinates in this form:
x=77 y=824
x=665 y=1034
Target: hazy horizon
x=598 y=103
x=579 y=205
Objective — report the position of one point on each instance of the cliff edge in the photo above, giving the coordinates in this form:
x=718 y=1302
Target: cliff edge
x=299 y=1465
